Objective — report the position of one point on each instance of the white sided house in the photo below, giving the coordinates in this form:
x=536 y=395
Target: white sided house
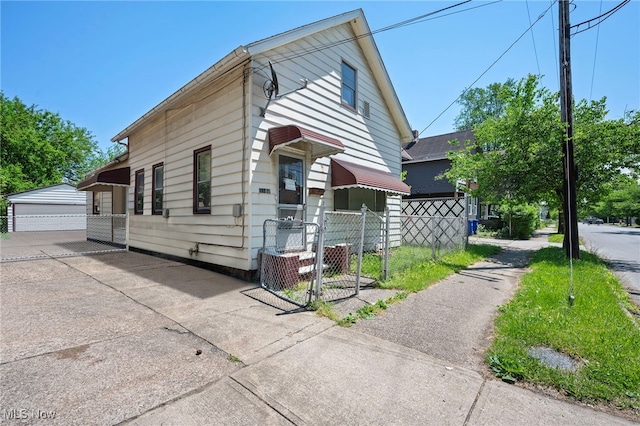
x=52 y=208
x=272 y=130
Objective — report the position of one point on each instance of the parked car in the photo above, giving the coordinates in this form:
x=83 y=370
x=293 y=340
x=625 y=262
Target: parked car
x=592 y=220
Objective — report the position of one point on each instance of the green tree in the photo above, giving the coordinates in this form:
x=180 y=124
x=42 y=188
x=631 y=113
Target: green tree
x=525 y=161
x=39 y=148
x=623 y=202
x=479 y=104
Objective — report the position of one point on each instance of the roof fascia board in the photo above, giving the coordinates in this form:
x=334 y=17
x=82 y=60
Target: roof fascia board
x=228 y=62
x=424 y=160
x=281 y=39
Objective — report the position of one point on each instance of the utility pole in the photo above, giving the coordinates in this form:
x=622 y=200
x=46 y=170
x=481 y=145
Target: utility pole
x=571 y=243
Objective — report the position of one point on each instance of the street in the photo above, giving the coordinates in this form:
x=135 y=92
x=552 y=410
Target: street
x=621 y=247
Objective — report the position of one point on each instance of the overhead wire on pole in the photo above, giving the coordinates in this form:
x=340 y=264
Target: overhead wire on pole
x=488 y=68
x=533 y=39
x=595 y=56
x=419 y=19
x=554 y=38
x=604 y=17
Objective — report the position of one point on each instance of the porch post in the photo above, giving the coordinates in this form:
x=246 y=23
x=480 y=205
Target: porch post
x=363 y=212
x=320 y=250
x=387 y=225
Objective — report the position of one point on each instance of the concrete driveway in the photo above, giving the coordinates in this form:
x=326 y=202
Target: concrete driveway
x=101 y=339
x=129 y=338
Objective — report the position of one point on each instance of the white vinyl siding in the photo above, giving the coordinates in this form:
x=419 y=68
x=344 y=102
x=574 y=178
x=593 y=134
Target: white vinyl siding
x=373 y=142
x=212 y=116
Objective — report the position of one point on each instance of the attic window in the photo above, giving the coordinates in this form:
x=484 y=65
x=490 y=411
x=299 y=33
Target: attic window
x=348 y=85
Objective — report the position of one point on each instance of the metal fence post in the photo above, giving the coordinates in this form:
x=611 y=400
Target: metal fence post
x=466 y=219
x=320 y=250
x=363 y=213
x=387 y=225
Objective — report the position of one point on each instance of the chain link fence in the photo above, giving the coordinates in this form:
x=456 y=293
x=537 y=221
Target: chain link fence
x=303 y=262
x=24 y=237
x=288 y=263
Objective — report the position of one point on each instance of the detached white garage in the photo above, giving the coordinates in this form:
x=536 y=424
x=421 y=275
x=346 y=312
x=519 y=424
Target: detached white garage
x=52 y=208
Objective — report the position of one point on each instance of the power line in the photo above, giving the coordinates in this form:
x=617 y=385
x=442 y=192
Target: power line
x=554 y=38
x=595 y=55
x=487 y=70
x=533 y=39
x=419 y=19
x=604 y=16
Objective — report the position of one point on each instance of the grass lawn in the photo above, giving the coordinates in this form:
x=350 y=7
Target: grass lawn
x=411 y=269
x=595 y=331
x=556 y=238
x=419 y=275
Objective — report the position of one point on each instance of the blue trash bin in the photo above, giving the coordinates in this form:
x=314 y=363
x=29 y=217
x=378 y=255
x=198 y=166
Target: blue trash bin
x=470 y=227
x=474 y=225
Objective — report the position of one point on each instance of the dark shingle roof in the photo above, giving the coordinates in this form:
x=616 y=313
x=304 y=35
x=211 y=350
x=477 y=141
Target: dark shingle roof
x=436 y=147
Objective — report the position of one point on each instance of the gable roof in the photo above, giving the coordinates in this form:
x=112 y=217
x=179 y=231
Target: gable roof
x=436 y=147
x=61 y=193
x=244 y=53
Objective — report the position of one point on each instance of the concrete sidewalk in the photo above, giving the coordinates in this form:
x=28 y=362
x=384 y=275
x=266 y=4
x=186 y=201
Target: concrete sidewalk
x=128 y=338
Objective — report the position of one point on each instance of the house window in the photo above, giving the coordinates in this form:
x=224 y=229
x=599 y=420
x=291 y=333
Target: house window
x=353 y=198
x=202 y=180
x=139 y=193
x=348 y=85
x=96 y=202
x=158 y=187
x=290 y=188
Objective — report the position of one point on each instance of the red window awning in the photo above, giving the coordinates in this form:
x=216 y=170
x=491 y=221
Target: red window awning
x=106 y=180
x=345 y=174
x=317 y=144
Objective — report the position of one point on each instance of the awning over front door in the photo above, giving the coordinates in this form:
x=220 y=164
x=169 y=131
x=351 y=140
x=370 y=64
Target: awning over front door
x=345 y=174
x=106 y=180
x=317 y=144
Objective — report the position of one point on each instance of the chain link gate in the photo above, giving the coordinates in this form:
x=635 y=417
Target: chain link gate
x=354 y=245
x=302 y=262
x=288 y=259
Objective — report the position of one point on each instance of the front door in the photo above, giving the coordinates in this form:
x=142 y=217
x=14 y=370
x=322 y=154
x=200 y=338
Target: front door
x=291 y=188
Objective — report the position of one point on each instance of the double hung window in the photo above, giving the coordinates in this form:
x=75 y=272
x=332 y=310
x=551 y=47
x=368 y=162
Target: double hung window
x=158 y=188
x=139 y=193
x=202 y=181
x=348 y=85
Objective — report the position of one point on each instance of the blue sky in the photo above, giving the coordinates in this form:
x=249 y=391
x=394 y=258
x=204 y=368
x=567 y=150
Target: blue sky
x=102 y=65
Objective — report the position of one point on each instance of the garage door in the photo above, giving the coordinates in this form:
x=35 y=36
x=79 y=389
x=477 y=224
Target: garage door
x=48 y=217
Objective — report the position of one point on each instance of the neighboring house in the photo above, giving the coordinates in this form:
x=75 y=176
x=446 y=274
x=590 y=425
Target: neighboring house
x=241 y=144
x=50 y=208
x=426 y=159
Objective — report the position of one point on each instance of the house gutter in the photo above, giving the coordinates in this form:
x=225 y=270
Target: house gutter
x=225 y=64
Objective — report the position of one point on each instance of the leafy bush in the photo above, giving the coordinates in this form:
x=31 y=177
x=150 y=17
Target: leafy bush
x=520 y=221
